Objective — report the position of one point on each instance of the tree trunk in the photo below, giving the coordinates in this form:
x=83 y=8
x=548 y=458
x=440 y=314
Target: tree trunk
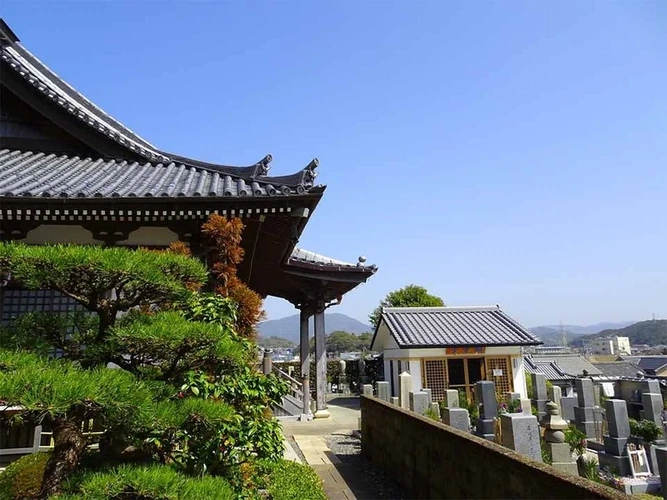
x=69 y=446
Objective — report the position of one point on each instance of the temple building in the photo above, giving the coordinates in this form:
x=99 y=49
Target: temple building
x=70 y=173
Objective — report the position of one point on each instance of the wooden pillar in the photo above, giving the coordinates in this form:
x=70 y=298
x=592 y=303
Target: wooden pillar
x=305 y=358
x=321 y=363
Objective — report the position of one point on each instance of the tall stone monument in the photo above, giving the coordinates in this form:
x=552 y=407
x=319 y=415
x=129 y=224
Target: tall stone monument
x=539 y=395
x=584 y=412
x=419 y=402
x=485 y=392
x=615 y=456
x=404 y=389
x=554 y=437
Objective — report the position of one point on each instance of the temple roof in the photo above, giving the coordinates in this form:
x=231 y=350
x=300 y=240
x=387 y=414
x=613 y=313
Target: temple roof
x=38 y=76
x=304 y=257
x=415 y=327
x=34 y=174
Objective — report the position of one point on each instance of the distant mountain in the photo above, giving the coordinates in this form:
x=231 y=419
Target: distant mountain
x=288 y=328
x=651 y=332
x=550 y=334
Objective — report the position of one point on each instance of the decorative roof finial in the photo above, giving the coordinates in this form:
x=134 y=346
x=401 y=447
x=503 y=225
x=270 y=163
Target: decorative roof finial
x=309 y=171
x=263 y=166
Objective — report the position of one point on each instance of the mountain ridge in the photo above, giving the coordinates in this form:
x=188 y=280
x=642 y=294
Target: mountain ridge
x=288 y=327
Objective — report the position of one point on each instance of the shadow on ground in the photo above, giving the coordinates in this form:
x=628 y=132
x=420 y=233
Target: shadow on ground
x=351 y=402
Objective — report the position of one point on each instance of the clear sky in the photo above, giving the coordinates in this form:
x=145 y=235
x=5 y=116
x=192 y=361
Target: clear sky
x=495 y=152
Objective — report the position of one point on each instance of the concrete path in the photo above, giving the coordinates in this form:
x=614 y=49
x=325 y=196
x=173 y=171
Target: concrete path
x=339 y=480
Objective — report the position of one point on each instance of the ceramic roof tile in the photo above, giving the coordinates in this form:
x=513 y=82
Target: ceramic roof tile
x=29 y=174
x=454 y=326
x=571 y=364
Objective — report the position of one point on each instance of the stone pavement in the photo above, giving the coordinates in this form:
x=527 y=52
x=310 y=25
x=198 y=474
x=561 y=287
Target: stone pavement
x=341 y=481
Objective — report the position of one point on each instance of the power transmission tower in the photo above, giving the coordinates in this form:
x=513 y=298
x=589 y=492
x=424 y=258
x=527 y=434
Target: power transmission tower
x=563 y=337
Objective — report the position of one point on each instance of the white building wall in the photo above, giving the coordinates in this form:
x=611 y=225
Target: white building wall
x=416 y=372
x=519 y=376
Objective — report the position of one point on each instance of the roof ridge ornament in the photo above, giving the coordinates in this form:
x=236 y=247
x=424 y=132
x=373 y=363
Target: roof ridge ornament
x=262 y=167
x=309 y=172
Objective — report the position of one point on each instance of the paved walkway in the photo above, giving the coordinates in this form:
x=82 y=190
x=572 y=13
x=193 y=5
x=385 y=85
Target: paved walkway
x=341 y=482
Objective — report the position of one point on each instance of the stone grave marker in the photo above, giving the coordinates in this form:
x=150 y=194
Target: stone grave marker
x=453 y=415
x=485 y=392
x=554 y=437
x=435 y=408
x=555 y=394
x=653 y=406
x=567 y=405
x=367 y=390
x=419 y=402
x=404 y=388
x=539 y=395
x=384 y=391
x=584 y=412
x=522 y=434
x=452 y=398
x=615 y=454
x=394 y=400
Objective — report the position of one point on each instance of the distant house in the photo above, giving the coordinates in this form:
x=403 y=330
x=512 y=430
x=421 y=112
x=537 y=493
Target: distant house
x=653 y=365
x=620 y=369
x=611 y=346
x=452 y=347
x=561 y=369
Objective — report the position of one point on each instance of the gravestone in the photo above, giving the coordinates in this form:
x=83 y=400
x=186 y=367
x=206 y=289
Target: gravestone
x=384 y=391
x=650 y=386
x=554 y=440
x=653 y=406
x=394 y=400
x=367 y=390
x=514 y=396
x=661 y=456
x=404 y=388
x=522 y=434
x=555 y=394
x=419 y=402
x=539 y=395
x=526 y=407
x=615 y=456
x=435 y=408
x=457 y=418
x=584 y=412
x=452 y=398
x=567 y=405
x=485 y=395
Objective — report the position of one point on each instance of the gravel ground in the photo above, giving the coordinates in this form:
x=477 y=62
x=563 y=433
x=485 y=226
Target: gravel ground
x=348 y=449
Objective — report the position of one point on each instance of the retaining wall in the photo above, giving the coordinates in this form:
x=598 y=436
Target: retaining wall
x=429 y=459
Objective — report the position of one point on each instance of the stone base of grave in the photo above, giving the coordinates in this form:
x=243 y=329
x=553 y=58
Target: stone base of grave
x=394 y=400
x=561 y=458
x=587 y=427
x=322 y=414
x=457 y=418
x=486 y=428
x=615 y=445
x=637 y=486
x=620 y=465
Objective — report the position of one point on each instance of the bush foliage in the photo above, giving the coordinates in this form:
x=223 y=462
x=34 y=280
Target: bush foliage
x=185 y=398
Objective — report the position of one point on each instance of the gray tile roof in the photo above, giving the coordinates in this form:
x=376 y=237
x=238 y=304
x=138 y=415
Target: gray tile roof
x=37 y=75
x=648 y=363
x=571 y=364
x=620 y=369
x=301 y=256
x=549 y=369
x=28 y=174
x=455 y=326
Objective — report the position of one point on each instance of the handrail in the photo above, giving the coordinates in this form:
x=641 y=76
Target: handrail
x=286 y=376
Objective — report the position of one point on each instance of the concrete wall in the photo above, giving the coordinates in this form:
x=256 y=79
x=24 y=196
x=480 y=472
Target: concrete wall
x=431 y=460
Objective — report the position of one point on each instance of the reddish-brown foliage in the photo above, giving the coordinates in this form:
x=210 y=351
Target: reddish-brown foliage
x=225 y=236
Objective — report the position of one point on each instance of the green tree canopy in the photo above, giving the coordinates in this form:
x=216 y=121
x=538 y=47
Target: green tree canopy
x=408 y=296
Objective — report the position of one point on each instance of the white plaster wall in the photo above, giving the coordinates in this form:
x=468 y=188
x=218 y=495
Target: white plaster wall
x=57 y=233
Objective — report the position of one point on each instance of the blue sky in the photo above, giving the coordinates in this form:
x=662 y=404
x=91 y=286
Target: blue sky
x=494 y=152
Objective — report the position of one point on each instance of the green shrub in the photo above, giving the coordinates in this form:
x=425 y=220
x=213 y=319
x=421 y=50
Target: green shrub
x=23 y=478
x=287 y=480
x=153 y=482
x=645 y=429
